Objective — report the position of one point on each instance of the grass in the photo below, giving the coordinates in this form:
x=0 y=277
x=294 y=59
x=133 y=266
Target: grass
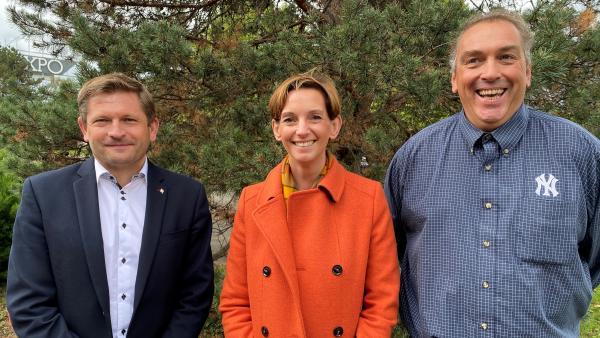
x=590 y=327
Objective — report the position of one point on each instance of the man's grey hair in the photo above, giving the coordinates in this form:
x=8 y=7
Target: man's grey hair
x=496 y=15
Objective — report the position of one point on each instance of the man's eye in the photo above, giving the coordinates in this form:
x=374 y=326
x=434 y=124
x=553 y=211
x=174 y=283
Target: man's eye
x=507 y=57
x=470 y=61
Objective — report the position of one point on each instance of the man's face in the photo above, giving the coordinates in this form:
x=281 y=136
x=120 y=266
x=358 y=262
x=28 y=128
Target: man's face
x=491 y=73
x=118 y=131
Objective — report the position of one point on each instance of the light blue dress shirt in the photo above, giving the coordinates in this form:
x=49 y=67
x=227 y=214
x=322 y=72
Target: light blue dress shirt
x=122 y=216
x=498 y=233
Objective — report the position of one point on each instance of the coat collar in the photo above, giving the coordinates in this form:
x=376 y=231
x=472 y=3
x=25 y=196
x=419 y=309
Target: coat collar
x=270 y=217
x=85 y=190
x=332 y=184
x=156 y=199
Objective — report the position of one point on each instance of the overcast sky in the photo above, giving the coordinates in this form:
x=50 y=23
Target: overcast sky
x=9 y=33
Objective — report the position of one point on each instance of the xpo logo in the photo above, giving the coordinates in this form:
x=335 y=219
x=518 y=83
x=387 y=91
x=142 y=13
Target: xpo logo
x=48 y=66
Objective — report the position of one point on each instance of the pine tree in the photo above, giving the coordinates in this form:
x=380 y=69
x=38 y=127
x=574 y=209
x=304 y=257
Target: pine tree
x=213 y=64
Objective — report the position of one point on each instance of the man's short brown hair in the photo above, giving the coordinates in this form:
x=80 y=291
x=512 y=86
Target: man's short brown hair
x=309 y=79
x=112 y=83
x=498 y=14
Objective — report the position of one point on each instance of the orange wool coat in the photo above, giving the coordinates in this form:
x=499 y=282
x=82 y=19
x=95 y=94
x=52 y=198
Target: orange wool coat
x=324 y=266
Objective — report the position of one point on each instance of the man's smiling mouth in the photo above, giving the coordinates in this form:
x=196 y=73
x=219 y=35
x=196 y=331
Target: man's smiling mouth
x=494 y=92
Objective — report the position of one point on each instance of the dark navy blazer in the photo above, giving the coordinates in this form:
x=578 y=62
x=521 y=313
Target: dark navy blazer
x=57 y=283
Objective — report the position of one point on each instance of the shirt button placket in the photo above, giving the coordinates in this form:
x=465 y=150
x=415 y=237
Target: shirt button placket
x=488 y=181
x=123 y=212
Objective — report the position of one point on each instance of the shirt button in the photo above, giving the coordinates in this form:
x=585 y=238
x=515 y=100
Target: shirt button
x=122 y=192
x=485 y=284
x=338 y=331
x=123 y=260
x=122 y=198
x=264 y=331
x=123 y=296
x=486 y=243
x=123 y=331
x=483 y=326
x=487 y=137
x=488 y=167
x=337 y=270
x=266 y=271
x=123 y=225
x=506 y=151
x=488 y=205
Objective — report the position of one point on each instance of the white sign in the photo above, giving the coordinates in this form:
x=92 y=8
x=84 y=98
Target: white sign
x=48 y=66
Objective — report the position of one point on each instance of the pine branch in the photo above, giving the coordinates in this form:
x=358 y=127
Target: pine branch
x=205 y=4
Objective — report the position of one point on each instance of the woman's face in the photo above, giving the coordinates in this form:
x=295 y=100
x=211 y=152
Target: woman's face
x=304 y=128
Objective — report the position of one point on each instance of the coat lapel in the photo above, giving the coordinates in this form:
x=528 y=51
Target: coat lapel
x=85 y=189
x=270 y=217
x=155 y=206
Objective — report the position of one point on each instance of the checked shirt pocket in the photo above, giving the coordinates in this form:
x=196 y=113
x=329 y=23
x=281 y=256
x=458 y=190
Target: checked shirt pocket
x=547 y=232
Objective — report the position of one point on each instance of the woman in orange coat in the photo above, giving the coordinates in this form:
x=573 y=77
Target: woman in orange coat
x=312 y=252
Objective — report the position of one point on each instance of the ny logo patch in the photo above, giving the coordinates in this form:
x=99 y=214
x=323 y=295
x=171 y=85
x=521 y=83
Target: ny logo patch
x=549 y=185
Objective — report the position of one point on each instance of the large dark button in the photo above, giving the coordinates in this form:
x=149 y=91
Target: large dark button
x=266 y=271
x=124 y=225
x=123 y=331
x=337 y=270
x=123 y=198
x=264 y=331
x=338 y=331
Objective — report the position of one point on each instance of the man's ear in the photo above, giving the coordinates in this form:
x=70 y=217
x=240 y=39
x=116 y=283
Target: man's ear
x=154 y=124
x=453 y=82
x=83 y=128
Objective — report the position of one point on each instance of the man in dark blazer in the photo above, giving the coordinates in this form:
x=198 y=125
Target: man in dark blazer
x=113 y=246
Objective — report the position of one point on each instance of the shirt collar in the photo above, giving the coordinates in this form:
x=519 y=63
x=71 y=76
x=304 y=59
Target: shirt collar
x=507 y=135
x=102 y=172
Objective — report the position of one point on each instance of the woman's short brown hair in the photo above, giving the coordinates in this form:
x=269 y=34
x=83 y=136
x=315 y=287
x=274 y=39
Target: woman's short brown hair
x=112 y=83
x=309 y=79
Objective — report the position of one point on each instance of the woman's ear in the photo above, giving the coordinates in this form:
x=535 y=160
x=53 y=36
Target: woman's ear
x=275 y=127
x=336 y=126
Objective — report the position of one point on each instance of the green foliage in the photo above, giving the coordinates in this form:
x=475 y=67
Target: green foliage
x=213 y=66
x=9 y=202
x=212 y=327
x=38 y=122
x=566 y=63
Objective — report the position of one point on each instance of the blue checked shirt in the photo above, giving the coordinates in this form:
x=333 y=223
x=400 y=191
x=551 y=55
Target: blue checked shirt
x=498 y=233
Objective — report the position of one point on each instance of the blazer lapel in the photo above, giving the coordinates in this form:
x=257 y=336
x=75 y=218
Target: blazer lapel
x=155 y=206
x=85 y=190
